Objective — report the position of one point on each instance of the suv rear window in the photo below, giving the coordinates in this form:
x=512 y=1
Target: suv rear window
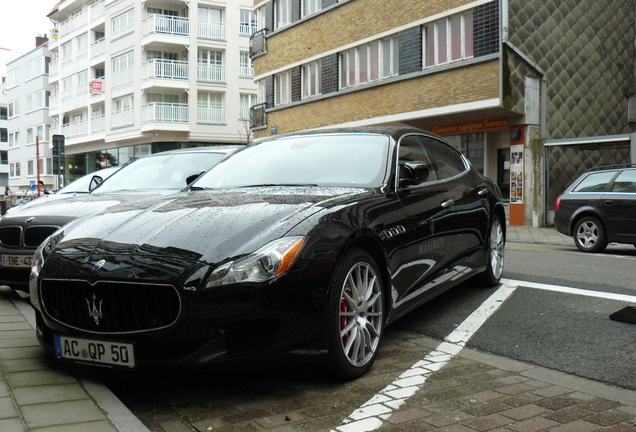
x=595 y=182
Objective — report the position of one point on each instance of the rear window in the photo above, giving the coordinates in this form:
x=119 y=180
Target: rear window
x=625 y=182
x=595 y=182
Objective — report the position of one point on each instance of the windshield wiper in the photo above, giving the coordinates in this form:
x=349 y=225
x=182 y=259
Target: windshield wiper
x=198 y=188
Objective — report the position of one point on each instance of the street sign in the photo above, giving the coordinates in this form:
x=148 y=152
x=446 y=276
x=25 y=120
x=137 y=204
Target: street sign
x=32 y=185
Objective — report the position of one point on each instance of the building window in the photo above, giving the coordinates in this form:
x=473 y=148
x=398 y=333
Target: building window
x=162 y=98
x=310 y=6
x=123 y=23
x=311 y=74
x=282 y=13
x=248 y=22
x=4 y=113
x=282 y=88
x=82 y=42
x=13 y=78
x=4 y=135
x=123 y=69
x=210 y=107
x=246 y=69
x=448 y=39
x=30 y=167
x=67 y=49
x=211 y=23
x=246 y=102
x=13 y=108
x=123 y=115
x=14 y=139
x=38 y=100
x=370 y=62
x=4 y=157
x=210 y=66
x=14 y=169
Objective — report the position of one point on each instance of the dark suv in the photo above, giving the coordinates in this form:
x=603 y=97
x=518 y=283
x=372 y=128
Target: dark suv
x=599 y=207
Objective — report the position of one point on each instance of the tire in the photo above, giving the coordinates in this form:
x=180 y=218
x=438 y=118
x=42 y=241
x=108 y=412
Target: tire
x=355 y=317
x=589 y=235
x=495 y=265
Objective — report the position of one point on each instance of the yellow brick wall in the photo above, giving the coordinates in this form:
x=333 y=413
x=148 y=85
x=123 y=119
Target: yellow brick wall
x=462 y=85
x=349 y=23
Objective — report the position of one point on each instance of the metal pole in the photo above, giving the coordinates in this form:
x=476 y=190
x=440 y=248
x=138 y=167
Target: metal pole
x=37 y=156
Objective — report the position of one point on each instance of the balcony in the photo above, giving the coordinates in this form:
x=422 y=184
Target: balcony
x=209 y=73
x=210 y=115
x=166 y=29
x=122 y=118
x=246 y=71
x=246 y=29
x=165 y=116
x=98 y=49
x=166 y=73
x=211 y=31
x=74 y=130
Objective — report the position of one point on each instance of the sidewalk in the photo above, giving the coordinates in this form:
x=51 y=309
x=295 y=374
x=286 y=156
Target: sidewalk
x=474 y=392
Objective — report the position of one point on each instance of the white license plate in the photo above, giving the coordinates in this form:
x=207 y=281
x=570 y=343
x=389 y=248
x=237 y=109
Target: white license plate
x=95 y=351
x=21 y=261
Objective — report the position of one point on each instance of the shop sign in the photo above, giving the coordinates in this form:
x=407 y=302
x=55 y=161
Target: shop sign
x=55 y=33
x=471 y=127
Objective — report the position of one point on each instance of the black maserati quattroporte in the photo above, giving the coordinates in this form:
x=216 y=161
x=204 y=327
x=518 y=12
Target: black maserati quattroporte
x=305 y=243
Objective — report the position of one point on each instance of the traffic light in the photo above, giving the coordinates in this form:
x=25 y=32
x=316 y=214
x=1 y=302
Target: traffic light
x=58 y=154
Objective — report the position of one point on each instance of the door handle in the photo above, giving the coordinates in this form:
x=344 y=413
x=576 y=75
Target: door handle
x=608 y=202
x=449 y=202
x=482 y=192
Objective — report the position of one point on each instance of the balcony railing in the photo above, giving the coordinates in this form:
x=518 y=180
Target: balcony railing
x=210 y=115
x=258 y=43
x=211 y=31
x=246 y=71
x=98 y=124
x=258 y=115
x=76 y=129
x=123 y=118
x=98 y=48
x=211 y=73
x=165 y=112
x=247 y=29
x=122 y=78
x=166 y=24
x=167 y=69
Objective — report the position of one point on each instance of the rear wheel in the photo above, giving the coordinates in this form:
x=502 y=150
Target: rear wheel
x=589 y=235
x=355 y=316
x=495 y=266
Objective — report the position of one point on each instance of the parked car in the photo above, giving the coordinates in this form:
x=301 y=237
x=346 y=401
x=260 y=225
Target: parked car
x=303 y=244
x=599 y=207
x=87 y=183
x=24 y=228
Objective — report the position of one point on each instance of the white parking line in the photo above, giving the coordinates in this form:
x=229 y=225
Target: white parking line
x=371 y=415
x=374 y=413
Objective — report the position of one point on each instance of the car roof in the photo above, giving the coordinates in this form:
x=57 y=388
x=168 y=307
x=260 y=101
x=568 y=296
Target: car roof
x=224 y=148
x=611 y=167
x=392 y=131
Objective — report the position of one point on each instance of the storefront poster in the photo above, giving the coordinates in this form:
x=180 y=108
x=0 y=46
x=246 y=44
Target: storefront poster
x=516 y=174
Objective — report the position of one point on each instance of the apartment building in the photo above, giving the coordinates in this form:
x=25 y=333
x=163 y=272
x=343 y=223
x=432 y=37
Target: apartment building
x=533 y=92
x=130 y=78
x=27 y=96
x=4 y=138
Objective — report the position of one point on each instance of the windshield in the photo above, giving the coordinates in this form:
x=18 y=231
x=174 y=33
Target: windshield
x=320 y=160
x=160 y=172
x=82 y=184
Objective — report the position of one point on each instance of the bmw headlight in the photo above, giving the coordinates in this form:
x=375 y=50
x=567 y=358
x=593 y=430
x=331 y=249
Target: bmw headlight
x=270 y=261
x=41 y=254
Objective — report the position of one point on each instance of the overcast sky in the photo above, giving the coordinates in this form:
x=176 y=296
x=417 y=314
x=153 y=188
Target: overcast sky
x=20 y=22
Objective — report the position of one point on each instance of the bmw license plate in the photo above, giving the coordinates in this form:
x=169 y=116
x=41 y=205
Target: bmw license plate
x=94 y=351
x=19 y=261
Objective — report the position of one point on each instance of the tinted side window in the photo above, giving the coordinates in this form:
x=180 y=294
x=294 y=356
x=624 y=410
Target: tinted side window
x=412 y=150
x=448 y=161
x=595 y=182
x=625 y=182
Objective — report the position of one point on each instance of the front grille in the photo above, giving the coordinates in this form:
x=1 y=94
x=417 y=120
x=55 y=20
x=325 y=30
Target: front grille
x=10 y=236
x=35 y=235
x=29 y=237
x=110 y=307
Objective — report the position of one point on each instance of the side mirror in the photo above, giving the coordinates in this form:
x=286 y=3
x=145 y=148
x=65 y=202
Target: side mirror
x=413 y=173
x=95 y=181
x=193 y=177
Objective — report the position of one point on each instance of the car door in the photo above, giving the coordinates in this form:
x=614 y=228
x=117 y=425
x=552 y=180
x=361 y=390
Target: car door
x=427 y=242
x=619 y=208
x=469 y=219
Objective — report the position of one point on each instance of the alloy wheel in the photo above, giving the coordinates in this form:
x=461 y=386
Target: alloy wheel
x=497 y=243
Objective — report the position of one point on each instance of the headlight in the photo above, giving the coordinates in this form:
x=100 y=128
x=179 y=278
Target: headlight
x=268 y=262
x=41 y=254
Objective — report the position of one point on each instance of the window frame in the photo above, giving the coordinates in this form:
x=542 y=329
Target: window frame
x=434 y=52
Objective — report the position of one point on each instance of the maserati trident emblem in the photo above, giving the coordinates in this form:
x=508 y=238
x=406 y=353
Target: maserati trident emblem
x=95 y=308
x=99 y=264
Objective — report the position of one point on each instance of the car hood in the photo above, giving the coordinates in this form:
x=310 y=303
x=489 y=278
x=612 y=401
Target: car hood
x=75 y=206
x=211 y=226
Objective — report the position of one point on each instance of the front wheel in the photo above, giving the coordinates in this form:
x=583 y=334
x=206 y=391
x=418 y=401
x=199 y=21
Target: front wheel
x=355 y=315
x=589 y=235
x=496 y=244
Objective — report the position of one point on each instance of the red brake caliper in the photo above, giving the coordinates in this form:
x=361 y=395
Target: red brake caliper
x=344 y=308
